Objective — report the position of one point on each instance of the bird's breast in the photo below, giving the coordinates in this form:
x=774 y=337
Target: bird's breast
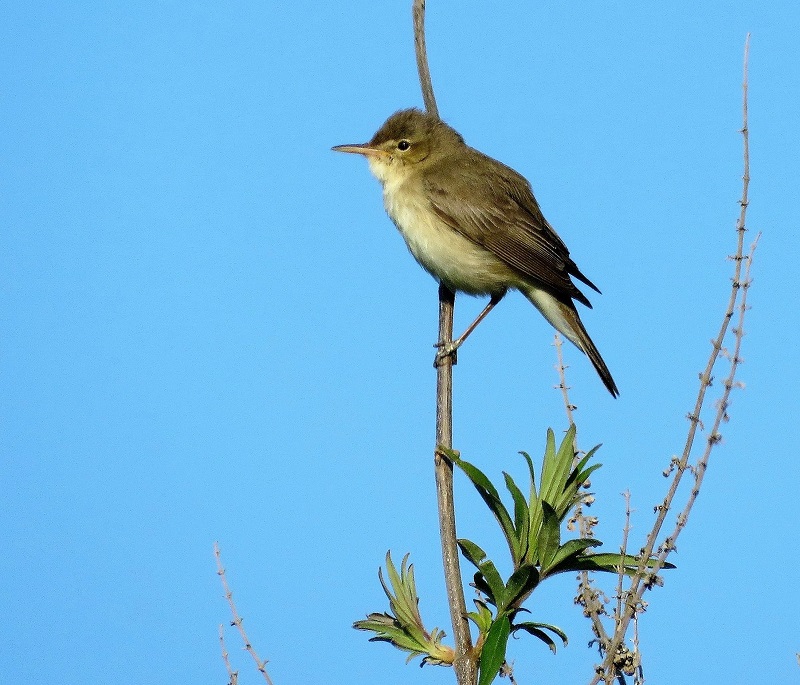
x=460 y=263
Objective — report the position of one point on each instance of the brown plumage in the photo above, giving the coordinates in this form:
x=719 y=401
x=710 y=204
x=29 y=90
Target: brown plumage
x=474 y=224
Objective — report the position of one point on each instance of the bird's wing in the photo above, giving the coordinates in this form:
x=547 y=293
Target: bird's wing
x=493 y=206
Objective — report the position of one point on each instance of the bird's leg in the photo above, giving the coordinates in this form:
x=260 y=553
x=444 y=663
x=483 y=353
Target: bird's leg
x=449 y=349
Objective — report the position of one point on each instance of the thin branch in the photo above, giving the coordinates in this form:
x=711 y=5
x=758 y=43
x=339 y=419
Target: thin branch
x=645 y=578
x=562 y=378
x=418 y=12
x=714 y=436
x=626 y=662
x=638 y=678
x=233 y=676
x=465 y=663
x=589 y=597
x=237 y=620
x=626 y=530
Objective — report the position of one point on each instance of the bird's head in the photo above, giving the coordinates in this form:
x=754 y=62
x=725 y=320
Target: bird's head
x=409 y=139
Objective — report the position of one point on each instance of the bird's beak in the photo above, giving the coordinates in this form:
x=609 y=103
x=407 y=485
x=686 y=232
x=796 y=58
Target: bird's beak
x=361 y=149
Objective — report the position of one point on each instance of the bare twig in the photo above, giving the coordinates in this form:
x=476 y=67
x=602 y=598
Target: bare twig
x=233 y=676
x=237 y=620
x=722 y=408
x=626 y=661
x=638 y=678
x=588 y=596
x=418 y=12
x=626 y=530
x=645 y=578
x=562 y=378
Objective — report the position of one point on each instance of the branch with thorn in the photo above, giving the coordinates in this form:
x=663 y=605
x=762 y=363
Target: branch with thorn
x=646 y=578
x=236 y=621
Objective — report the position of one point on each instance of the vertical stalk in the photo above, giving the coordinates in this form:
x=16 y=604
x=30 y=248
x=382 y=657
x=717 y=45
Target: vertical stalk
x=465 y=664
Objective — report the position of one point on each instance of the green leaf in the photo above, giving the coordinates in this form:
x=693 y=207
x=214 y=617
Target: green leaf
x=570 y=549
x=478 y=477
x=610 y=563
x=521 y=583
x=521 y=520
x=403 y=627
x=489 y=494
x=493 y=653
x=493 y=579
x=572 y=493
x=580 y=474
x=483 y=587
x=533 y=494
x=476 y=556
x=538 y=631
x=481 y=618
x=556 y=465
x=549 y=536
x=389 y=629
x=405 y=603
x=534 y=515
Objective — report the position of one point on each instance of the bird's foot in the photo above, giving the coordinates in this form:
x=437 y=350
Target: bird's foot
x=448 y=349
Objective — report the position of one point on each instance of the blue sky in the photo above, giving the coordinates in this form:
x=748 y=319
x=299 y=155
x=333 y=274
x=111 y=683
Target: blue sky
x=211 y=331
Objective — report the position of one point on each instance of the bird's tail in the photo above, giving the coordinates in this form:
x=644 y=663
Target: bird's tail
x=564 y=318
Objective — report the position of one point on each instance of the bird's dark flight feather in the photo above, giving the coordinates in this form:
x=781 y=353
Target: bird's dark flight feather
x=510 y=224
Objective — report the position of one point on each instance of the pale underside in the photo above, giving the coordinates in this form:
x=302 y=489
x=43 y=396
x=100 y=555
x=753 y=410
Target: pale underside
x=458 y=262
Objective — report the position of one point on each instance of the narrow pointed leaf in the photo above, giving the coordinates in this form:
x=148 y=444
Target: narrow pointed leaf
x=555 y=471
x=403 y=627
x=479 y=478
x=611 y=562
x=547 y=462
x=483 y=587
x=493 y=653
x=549 y=536
x=534 y=516
x=533 y=494
x=544 y=626
x=493 y=579
x=580 y=473
x=404 y=603
x=474 y=554
x=489 y=494
x=572 y=492
x=488 y=572
x=573 y=548
x=521 y=521
x=481 y=618
x=521 y=583
x=591 y=452
x=538 y=631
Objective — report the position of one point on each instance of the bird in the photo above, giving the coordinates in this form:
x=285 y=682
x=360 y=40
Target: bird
x=474 y=224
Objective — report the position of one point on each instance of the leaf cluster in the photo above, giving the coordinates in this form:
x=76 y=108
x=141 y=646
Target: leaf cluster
x=403 y=626
x=532 y=530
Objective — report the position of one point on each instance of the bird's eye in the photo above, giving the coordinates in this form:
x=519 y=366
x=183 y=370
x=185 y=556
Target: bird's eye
x=403 y=145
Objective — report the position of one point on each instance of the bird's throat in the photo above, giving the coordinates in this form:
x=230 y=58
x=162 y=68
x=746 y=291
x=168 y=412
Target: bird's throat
x=441 y=250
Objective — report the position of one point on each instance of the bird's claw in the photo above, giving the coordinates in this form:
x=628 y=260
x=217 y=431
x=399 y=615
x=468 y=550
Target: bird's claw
x=448 y=349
